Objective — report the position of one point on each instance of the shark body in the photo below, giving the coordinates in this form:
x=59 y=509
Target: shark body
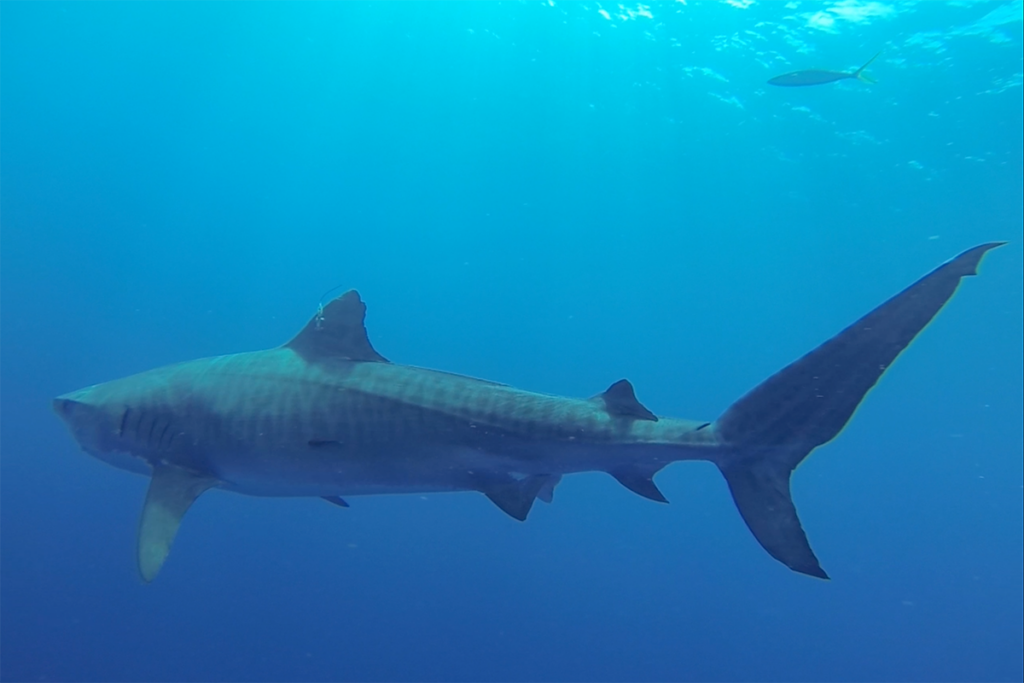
x=326 y=415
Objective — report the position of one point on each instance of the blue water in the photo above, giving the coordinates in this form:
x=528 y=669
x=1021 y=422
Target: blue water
x=554 y=196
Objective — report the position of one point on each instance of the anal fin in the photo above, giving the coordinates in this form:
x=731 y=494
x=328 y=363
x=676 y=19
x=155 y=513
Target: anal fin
x=640 y=481
x=172 y=491
x=515 y=498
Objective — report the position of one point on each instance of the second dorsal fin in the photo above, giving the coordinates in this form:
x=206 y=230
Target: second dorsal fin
x=337 y=332
x=620 y=400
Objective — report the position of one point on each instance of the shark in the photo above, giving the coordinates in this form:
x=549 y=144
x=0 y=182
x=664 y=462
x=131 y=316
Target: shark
x=325 y=415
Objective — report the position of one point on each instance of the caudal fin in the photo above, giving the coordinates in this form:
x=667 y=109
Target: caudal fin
x=859 y=73
x=806 y=404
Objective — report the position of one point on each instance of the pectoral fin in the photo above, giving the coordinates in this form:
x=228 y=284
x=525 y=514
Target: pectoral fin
x=171 y=492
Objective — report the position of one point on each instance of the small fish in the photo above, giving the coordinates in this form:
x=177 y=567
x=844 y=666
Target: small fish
x=820 y=77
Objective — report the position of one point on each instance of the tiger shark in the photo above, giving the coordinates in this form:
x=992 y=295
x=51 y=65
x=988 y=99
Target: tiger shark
x=326 y=415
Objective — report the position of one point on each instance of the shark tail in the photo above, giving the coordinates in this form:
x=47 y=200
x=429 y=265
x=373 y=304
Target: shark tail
x=771 y=429
x=861 y=76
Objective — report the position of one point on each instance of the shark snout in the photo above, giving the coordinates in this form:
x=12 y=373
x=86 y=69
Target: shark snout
x=64 y=407
x=74 y=406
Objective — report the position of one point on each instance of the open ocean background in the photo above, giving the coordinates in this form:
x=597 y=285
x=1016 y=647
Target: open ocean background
x=550 y=195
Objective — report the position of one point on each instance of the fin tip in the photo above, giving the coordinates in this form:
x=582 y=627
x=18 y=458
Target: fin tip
x=809 y=566
x=972 y=258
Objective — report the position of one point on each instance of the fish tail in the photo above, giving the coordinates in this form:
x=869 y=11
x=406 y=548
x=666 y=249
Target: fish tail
x=859 y=73
x=768 y=432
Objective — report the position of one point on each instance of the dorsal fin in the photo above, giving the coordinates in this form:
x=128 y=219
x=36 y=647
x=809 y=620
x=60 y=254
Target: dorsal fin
x=337 y=332
x=620 y=400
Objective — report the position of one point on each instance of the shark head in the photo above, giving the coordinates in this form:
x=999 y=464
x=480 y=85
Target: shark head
x=100 y=419
x=127 y=423
x=94 y=422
